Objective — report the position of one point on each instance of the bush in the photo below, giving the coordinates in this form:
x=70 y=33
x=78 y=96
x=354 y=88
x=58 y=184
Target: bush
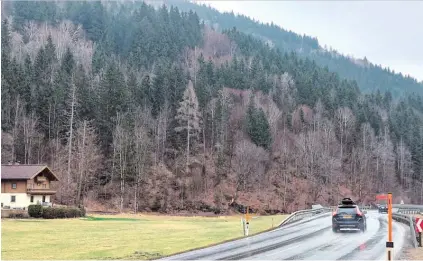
x=35 y=211
x=60 y=212
x=83 y=212
x=74 y=212
x=51 y=213
x=16 y=215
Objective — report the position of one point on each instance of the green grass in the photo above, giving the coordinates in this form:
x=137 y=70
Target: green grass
x=91 y=218
x=120 y=237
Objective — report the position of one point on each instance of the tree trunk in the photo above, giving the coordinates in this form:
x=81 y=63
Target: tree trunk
x=71 y=135
x=82 y=167
x=188 y=137
x=15 y=128
x=204 y=159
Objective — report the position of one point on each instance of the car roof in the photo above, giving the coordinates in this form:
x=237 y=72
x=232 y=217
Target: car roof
x=347 y=206
x=347 y=202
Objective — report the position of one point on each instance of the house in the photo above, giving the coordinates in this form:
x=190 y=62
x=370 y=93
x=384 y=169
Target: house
x=23 y=185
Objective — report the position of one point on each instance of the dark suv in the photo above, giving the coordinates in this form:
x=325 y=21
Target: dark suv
x=348 y=216
x=383 y=209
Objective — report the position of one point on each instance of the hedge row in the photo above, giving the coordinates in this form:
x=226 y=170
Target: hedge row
x=17 y=215
x=38 y=211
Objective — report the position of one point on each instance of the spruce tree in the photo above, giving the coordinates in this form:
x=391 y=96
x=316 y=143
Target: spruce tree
x=258 y=127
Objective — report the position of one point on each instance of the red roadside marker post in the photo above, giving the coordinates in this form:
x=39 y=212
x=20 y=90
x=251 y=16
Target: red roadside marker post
x=389 y=243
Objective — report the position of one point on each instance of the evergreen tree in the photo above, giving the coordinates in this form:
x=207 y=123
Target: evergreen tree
x=258 y=127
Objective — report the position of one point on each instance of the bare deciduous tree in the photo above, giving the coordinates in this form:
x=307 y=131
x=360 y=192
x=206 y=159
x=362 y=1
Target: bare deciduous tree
x=345 y=121
x=18 y=109
x=404 y=164
x=121 y=143
x=141 y=150
x=161 y=126
x=189 y=118
x=217 y=44
x=71 y=123
x=88 y=158
x=29 y=133
x=65 y=35
x=249 y=164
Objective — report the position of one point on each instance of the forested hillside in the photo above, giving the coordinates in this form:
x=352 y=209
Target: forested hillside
x=369 y=77
x=151 y=110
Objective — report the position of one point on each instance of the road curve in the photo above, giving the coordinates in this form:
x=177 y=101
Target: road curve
x=311 y=240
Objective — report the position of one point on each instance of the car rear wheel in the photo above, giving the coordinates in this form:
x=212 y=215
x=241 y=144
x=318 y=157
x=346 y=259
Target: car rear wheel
x=335 y=230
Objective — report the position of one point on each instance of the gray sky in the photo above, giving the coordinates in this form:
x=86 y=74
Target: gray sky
x=389 y=33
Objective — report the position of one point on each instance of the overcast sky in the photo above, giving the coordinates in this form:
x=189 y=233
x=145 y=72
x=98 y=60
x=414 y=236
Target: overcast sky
x=389 y=33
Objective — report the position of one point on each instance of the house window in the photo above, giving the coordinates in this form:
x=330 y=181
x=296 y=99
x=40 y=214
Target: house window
x=32 y=199
x=13 y=185
x=12 y=198
x=44 y=198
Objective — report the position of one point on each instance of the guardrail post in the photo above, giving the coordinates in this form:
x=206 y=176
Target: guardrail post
x=419 y=239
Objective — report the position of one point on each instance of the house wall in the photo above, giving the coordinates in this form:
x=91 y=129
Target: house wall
x=38 y=199
x=23 y=200
x=6 y=186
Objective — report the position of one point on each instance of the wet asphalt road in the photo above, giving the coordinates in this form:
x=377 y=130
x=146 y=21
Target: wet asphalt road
x=311 y=240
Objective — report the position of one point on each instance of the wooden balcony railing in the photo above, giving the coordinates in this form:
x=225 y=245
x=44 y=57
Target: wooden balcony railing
x=40 y=191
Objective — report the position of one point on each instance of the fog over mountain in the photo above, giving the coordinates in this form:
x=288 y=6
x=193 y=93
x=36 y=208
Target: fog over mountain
x=386 y=32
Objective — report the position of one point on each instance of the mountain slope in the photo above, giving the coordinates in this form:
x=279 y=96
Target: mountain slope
x=370 y=77
x=150 y=110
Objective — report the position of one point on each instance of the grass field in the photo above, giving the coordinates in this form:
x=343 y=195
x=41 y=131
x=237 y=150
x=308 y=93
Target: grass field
x=119 y=237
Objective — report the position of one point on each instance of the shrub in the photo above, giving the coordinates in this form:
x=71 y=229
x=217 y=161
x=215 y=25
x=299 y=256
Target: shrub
x=17 y=215
x=49 y=213
x=83 y=212
x=60 y=213
x=35 y=211
x=73 y=212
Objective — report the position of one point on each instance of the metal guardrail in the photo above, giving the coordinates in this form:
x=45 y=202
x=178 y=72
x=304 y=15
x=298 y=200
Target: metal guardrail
x=408 y=206
x=410 y=221
x=302 y=214
x=397 y=206
x=409 y=211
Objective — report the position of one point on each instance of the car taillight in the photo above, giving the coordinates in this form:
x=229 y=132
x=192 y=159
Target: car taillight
x=358 y=212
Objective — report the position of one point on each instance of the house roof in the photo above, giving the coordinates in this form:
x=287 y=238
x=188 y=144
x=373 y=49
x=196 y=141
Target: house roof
x=25 y=172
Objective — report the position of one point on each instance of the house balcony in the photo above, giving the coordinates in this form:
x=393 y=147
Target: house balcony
x=33 y=191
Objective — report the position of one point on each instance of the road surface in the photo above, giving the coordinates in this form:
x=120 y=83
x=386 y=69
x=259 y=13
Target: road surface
x=311 y=240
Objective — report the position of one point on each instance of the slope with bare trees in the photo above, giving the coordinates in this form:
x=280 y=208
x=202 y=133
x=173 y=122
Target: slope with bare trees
x=151 y=110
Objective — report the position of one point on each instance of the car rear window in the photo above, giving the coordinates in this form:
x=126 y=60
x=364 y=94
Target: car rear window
x=346 y=210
